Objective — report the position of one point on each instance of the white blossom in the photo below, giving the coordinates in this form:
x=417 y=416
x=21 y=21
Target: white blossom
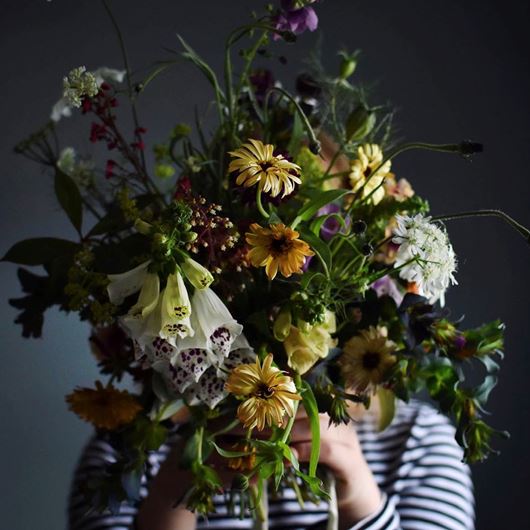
x=80 y=169
x=425 y=256
x=81 y=83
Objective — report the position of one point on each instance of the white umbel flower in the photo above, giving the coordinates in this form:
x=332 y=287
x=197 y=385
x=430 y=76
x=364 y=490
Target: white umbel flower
x=425 y=256
x=74 y=89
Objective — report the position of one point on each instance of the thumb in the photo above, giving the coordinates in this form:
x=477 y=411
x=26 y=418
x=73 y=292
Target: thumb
x=302 y=451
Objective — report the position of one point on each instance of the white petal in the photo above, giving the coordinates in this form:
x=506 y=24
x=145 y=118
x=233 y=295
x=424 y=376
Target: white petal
x=61 y=109
x=103 y=73
x=123 y=285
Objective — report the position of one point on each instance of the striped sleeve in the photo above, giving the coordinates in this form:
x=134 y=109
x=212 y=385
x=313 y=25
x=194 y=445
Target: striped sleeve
x=97 y=455
x=437 y=490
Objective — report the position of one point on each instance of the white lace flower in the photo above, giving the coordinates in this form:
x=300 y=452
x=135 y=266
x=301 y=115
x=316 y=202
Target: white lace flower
x=83 y=83
x=80 y=169
x=425 y=256
x=79 y=84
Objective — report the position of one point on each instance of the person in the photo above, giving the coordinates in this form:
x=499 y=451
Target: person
x=407 y=477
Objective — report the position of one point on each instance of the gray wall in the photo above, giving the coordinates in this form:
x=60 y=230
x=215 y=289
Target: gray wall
x=455 y=69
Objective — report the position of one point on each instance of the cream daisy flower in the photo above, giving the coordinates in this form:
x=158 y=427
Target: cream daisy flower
x=368 y=173
x=256 y=164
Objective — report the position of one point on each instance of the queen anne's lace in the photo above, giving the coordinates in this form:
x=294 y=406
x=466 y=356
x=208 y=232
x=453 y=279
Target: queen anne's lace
x=425 y=256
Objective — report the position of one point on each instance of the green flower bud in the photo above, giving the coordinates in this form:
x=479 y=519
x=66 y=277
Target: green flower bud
x=190 y=237
x=359 y=123
x=142 y=227
x=180 y=131
x=164 y=171
x=348 y=64
x=282 y=325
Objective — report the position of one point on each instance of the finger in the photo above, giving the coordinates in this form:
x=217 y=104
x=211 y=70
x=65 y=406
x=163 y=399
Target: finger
x=302 y=451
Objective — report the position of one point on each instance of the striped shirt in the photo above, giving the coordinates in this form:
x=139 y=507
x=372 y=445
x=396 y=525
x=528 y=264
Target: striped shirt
x=415 y=461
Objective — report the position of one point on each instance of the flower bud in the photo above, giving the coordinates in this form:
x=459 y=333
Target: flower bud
x=348 y=64
x=190 y=237
x=197 y=275
x=282 y=325
x=359 y=123
x=358 y=227
x=142 y=227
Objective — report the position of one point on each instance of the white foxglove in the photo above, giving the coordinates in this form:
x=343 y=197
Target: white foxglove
x=123 y=285
x=198 y=276
x=425 y=256
x=175 y=310
x=215 y=328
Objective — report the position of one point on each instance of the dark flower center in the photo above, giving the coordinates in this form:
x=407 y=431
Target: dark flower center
x=371 y=360
x=264 y=391
x=265 y=165
x=280 y=246
x=367 y=171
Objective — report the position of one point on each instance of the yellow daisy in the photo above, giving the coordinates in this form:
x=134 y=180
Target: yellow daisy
x=367 y=359
x=257 y=164
x=277 y=247
x=268 y=393
x=105 y=407
x=368 y=173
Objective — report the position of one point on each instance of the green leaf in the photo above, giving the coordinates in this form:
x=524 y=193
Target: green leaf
x=311 y=407
x=69 y=198
x=387 y=403
x=229 y=454
x=297 y=134
x=40 y=250
x=320 y=248
x=317 y=202
x=192 y=56
x=155 y=436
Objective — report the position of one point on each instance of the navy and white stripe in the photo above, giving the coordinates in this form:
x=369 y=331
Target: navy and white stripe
x=416 y=463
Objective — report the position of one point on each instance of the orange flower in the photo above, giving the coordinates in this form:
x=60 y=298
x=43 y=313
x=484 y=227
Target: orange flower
x=277 y=247
x=105 y=407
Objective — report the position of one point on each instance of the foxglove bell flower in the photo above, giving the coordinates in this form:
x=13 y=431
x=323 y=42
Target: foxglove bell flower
x=175 y=310
x=197 y=275
x=215 y=328
x=123 y=285
x=425 y=256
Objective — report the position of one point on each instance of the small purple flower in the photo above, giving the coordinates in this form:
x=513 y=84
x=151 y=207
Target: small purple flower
x=295 y=19
x=331 y=225
x=387 y=286
x=262 y=81
x=460 y=342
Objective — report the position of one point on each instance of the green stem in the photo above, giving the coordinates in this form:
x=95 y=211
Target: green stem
x=260 y=205
x=314 y=142
x=525 y=232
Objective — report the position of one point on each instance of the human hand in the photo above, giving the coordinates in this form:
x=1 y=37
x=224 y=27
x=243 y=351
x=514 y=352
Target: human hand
x=358 y=494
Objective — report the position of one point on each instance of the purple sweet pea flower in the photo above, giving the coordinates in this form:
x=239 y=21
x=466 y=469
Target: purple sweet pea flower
x=332 y=225
x=295 y=19
x=387 y=286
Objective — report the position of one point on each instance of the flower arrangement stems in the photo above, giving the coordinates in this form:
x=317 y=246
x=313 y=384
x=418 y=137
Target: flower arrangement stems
x=261 y=502
x=333 y=512
x=525 y=232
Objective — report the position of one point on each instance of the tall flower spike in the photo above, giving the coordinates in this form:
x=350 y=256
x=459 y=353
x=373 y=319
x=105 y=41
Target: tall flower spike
x=256 y=164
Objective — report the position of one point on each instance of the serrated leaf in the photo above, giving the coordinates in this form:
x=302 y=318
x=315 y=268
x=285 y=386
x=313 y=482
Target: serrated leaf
x=40 y=250
x=69 y=198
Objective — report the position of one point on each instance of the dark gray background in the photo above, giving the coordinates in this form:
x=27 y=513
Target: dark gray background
x=456 y=69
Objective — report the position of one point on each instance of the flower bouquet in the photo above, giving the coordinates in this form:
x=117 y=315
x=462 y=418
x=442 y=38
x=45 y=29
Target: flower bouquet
x=261 y=261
